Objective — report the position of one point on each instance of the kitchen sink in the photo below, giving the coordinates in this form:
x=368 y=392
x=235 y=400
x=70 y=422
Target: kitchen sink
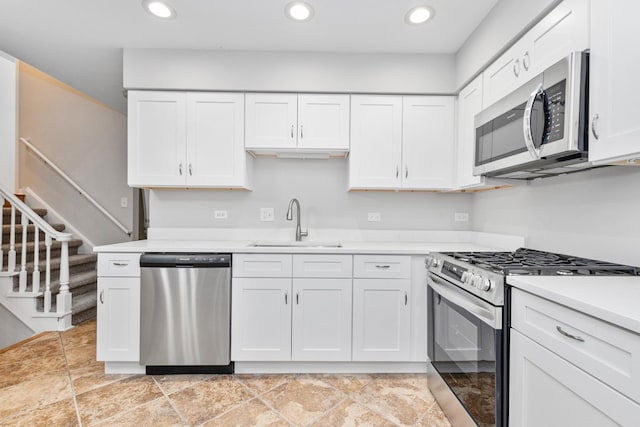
x=278 y=244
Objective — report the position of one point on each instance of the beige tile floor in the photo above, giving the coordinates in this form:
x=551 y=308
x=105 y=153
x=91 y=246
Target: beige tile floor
x=54 y=380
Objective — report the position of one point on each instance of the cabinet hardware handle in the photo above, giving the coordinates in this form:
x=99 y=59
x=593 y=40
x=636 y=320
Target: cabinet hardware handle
x=406 y=298
x=286 y=298
x=190 y=172
x=397 y=171
x=593 y=127
x=516 y=68
x=568 y=335
x=301 y=131
x=102 y=296
x=526 y=61
x=180 y=168
x=292 y=131
x=406 y=171
x=120 y=264
x=297 y=298
x=385 y=266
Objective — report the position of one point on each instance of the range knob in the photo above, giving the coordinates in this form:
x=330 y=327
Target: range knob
x=477 y=281
x=436 y=263
x=465 y=276
x=486 y=285
x=428 y=261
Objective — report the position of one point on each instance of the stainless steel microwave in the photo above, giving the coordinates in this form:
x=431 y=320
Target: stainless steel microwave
x=540 y=128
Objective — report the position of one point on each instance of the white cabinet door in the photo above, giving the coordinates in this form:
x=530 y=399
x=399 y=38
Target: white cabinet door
x=118 y=314
x=469 y=104
x=323 y=122
x=614 y=82
x=261 y=319
x=271 y=120
x=215 y=140
x=381 y=320
x=503 y=75
x=157 y=138
x=427 y=142
x=321 y=320
x=376 y=142
x=546 y=390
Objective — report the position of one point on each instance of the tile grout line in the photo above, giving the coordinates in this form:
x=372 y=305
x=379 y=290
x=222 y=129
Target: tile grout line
x=166 y=396
x=73 y=390
x=375 y=411
x=264 y=402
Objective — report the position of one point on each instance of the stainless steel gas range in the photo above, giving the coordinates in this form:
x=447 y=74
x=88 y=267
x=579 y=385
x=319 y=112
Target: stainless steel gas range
x=468 y=330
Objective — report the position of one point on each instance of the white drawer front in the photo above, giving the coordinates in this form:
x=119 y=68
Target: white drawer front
x=607 y=352
x=376 y=266
x=334 y=266
x=262 y=265
x=119 y=264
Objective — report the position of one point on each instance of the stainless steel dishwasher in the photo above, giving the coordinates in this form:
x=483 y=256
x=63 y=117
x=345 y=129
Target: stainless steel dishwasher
x=185 y=313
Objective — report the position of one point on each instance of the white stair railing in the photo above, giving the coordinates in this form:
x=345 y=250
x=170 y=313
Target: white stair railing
x=63 y=298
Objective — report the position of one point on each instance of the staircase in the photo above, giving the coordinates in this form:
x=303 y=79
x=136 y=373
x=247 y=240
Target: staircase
x=81 y=267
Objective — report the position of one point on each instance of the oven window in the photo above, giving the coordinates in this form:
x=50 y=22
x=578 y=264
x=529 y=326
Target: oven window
x=464 y=353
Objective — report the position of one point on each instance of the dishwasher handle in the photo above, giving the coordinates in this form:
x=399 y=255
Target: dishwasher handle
x=185 y=260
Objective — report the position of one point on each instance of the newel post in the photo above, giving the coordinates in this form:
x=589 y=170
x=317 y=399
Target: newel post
x=63 y=299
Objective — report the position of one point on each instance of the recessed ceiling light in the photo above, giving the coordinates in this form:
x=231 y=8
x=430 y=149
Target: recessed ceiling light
x=299 y=11
x=159 y=8
x=419 y=15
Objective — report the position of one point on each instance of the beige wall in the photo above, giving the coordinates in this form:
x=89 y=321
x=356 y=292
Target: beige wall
x=8 y=91
x=84 y=138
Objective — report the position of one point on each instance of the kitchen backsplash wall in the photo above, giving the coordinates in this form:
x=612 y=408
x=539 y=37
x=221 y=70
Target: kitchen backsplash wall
x=591 y=214
x=320 y=185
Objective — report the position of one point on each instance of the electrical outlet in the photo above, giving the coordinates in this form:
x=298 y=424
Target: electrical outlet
x=220 y=214
x=374 y=217
x=461 y=217
x=124 y=202
x=266 y=214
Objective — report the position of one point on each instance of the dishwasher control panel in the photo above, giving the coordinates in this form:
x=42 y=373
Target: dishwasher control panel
x=200 y=260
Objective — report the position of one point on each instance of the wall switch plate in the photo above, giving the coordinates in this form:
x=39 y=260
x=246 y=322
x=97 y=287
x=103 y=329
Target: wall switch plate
x=220 y=214
x=374 y=217
x=266 y=214
x=461 y=217
x=124 y=202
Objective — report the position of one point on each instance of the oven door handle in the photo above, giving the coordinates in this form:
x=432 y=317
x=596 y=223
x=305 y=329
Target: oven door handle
x=484 y=311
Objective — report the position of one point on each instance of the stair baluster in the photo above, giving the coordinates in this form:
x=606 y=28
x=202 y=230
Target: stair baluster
x=35 y=276
x=47 y=275
x=22 y=283
x=1 y=223
x=11 y=261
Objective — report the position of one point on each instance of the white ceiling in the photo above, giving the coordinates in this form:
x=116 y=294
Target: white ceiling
x=80 y=41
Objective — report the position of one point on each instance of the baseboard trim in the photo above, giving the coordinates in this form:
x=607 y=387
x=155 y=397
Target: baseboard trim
x=330 y=367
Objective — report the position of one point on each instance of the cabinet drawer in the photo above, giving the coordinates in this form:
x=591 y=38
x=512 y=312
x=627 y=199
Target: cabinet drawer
x=607 y=352
x=335 y=266
x=262 y=265
x=374 y=266
x=119 y=264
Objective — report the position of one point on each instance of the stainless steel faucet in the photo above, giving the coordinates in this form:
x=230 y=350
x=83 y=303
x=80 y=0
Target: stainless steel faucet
x=299 y=232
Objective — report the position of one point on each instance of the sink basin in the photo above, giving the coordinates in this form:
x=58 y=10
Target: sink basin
x=277 y=244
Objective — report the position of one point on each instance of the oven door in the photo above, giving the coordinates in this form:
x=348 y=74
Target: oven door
x=465 y=352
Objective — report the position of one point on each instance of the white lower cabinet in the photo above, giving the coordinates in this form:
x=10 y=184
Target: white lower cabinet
x=546 y=390
x=118 y=319
x=321 y=327
x=381 y=320
x=261 y=319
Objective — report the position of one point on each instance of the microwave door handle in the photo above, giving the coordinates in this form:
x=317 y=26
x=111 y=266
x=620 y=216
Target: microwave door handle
x=526 y=123
x=485 y=312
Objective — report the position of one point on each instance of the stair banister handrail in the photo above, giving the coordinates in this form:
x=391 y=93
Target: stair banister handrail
x=79 y=189
x=34 y=217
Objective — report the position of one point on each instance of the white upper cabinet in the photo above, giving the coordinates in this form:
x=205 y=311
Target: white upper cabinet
x=427 y=142
x=401 y=142
x=157 y=138
x=469 y=104
x=376 y=142
x=614 y=84
x=179 y=139
x=284 y=122
x=215 y=140
x=563 y=30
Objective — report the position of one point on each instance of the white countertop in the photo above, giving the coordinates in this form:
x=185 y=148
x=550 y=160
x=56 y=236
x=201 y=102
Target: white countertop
x=613 y=299
x=243 y=246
